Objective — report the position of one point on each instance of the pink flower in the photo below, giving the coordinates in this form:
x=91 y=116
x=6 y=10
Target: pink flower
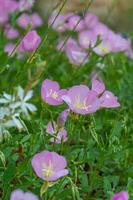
x=75 y=53
x=36 y=20
x=20 y=195
x=90 y=20
x=75 y=23
x=103 y=48
x=98 y=86
x=59 y=134
x=11 y=33
x=6 y=8
x=59 y=22
x=120 y=196
x=31 y=41
x=49 y=166
x=51 y=92
x=82 y=100
x=107 y=98
x=118 y=43
x=9 y=48
x=87 y=39
x=24 y=20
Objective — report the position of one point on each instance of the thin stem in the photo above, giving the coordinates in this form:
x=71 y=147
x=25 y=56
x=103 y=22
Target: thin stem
x=46 y=34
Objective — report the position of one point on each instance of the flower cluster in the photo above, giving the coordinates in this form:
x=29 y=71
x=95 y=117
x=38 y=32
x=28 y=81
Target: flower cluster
x=24 y=21
x=80 y=99
x=91 y=34
x=12 y=107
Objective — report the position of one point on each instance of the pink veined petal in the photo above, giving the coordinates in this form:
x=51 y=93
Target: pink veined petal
x=51 y=127
x=108 y=100
x=59 y=162
x=98 y=86
x=30 y=196
x=58 y=175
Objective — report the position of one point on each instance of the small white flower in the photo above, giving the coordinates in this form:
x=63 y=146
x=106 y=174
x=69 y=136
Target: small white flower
x=12 y=108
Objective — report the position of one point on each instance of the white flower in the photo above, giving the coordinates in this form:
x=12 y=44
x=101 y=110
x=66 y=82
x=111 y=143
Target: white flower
x=12 y=108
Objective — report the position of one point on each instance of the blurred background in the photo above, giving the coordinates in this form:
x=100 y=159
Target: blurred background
x=118 y=14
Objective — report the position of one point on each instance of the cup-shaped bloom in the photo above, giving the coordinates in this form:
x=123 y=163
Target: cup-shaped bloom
x=82 y=100
x=59 y=134
x=31 y=41
x=75 y=23
x=36 y=20
x=76 y=54
x=51 y=92
x=49 y=166
x=90 y=20
x=108 y=100
x=24 y=20
x=11 y=33
x=20 y=195
x=123 y=195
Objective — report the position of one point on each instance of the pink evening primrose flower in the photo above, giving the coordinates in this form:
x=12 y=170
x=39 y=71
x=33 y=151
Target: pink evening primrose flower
x=11 y=33
x=75 y=23
x=49 y=166
x=103 y=48
x=82 y=100
x=90 y=20
x=31 y=41
x=36 y=20
x=120 y=196
x=119 y=44
x=24 y=20
x=9 y=48
x=20 y=195
x=59 y=22
x=107 y=98
x=6 y=8
x=76 y=54
x=59 y=134
x=51 y=92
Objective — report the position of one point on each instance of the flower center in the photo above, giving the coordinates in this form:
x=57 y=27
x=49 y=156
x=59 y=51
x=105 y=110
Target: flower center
x=79 y=104
x=104 y=48
x=47 y=170
x=52 y=94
